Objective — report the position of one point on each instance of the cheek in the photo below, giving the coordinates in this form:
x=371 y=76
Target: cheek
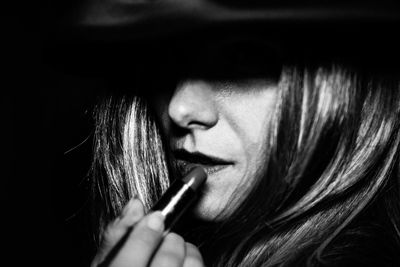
x=250 y=117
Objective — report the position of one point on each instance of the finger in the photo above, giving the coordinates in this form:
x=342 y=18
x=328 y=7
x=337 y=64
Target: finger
x=128 y=207
x=171 y=253
x=193 y=257
x=132 y=213
x=141 y=243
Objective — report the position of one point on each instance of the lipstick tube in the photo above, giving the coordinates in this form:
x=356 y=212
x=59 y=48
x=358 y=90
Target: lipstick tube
x=179 y=196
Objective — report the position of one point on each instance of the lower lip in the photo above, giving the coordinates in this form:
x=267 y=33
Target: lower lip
x=213 y=169
x=210 y=169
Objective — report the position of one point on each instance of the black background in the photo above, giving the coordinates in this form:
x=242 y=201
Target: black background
x=45 y=113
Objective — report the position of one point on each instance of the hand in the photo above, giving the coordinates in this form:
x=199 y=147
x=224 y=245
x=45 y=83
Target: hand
x=136 y=240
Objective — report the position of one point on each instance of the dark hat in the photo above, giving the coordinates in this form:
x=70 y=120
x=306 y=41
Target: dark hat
x=109 y=35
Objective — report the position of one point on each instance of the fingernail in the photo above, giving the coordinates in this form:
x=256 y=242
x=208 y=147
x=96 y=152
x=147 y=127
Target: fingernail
x=127 y=207
x=155 y=221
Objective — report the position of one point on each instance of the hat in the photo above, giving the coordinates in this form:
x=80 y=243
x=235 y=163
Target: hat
x=111 y=35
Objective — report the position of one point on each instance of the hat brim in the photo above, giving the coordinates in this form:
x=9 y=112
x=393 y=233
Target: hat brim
x=113 y=43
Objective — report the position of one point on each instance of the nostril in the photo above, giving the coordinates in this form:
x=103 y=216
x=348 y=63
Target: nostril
x=178 y=131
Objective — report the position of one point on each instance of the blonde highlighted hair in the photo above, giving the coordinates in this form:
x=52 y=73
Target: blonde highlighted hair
x=332 y=159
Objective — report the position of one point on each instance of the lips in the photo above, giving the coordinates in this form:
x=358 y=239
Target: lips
x=185 y=161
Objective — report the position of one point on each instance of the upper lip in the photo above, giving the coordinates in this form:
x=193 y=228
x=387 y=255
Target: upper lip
x=199 y=158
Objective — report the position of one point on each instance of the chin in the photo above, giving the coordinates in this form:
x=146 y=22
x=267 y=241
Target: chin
x=216 y=202
x=211 y=208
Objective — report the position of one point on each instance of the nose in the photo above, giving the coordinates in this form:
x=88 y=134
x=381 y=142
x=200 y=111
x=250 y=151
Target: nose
x=193 y=106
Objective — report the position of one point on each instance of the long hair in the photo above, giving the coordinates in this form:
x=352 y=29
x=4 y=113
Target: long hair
x=331 y=165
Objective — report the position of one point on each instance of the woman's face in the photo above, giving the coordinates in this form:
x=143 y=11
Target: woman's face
x=221 y=126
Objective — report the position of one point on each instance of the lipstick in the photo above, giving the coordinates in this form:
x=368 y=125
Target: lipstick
x=184 y=161
x=179 y=196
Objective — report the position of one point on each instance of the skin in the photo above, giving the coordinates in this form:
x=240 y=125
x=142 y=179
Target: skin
x=228 y=120
x=143 y=243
